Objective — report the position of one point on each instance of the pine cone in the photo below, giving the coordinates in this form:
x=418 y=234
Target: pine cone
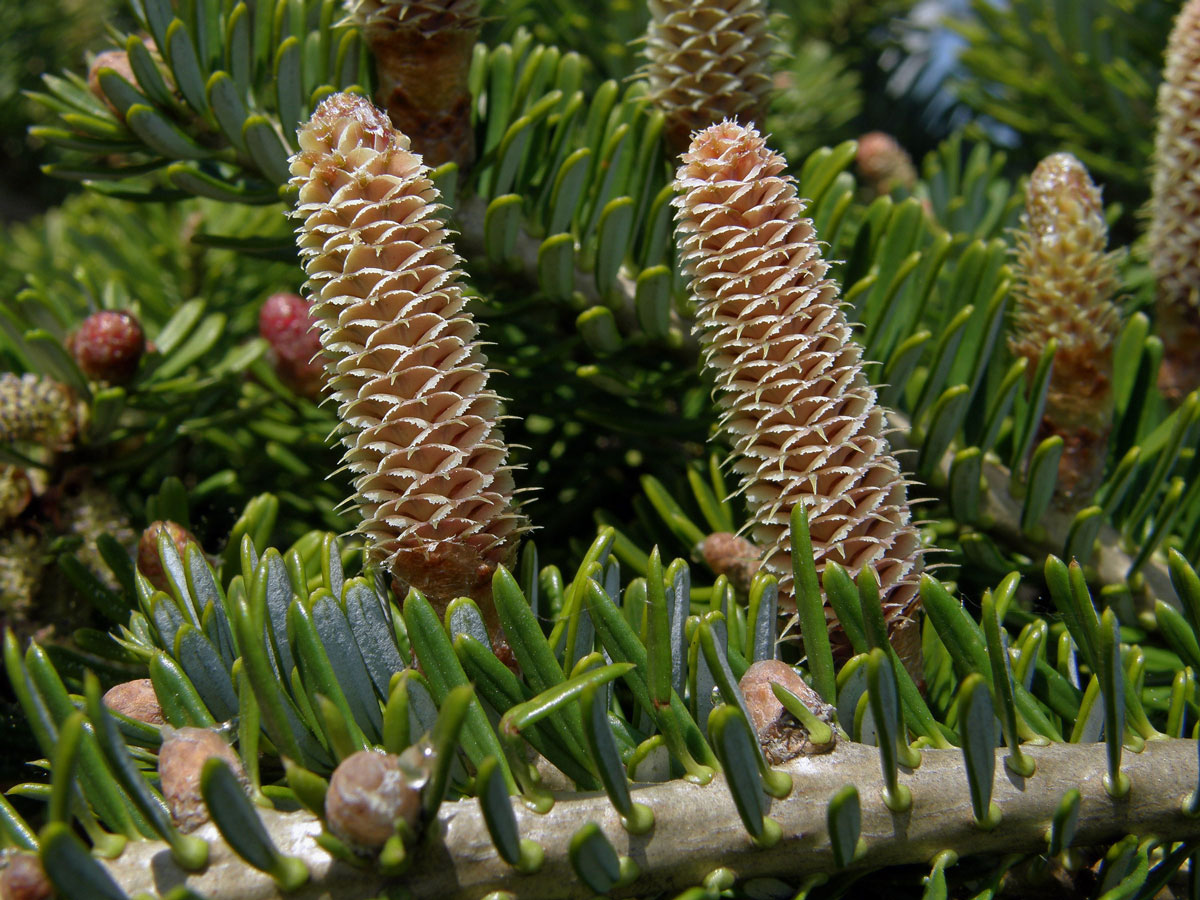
x=1174 y=237
x=803 y=418
x=707 y=60
x=410 y=380
x=422 y=51
x=1064 y=284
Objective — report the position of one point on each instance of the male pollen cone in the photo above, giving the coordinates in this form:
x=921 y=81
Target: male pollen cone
x=801 y=415
x=403 y=363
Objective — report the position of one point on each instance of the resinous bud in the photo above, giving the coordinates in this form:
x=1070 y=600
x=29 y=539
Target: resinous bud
x=370 y=793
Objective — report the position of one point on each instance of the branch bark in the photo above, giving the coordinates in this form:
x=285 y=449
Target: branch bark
x=697 y=828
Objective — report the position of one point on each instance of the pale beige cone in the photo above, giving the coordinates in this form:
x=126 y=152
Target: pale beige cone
x=802 y=417
x=707 y=60
x=403 y=361
x=1174 y=234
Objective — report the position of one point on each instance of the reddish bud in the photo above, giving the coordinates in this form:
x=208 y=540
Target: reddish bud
x=108 y=346
x=883 y=164
x=180 y=761
x=148 y=562
x=23 y=878
x=286 y=322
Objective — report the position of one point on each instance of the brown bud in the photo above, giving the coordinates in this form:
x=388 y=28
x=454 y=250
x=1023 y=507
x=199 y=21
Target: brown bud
x=883 y=164
x=23 y=878
x=180 y=760
x=782 y=737
x=732 y=556
x=148 y=562
x=135 y=699
x=118 y=61
x=369 y=793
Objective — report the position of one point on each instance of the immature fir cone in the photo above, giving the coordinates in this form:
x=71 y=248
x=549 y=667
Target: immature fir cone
x=803 y=418
x=707 y=61
x=405 y=369
x=1174 y=238
x=1064 y=284
x=422 y=51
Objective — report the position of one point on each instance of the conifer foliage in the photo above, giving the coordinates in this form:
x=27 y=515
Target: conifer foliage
x=310 y=680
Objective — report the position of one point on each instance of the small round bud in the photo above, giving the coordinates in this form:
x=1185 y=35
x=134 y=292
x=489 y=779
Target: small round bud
x=148 y=562
x=782 y=737
x=136 y=700
x=23 y=878
x=883 y=164
x=368 y=794
x=286 y=322
x=108 y=346
x=181 y=759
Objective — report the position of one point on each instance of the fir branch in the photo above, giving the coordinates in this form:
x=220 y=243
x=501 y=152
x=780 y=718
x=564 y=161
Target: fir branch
x=697 y=829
